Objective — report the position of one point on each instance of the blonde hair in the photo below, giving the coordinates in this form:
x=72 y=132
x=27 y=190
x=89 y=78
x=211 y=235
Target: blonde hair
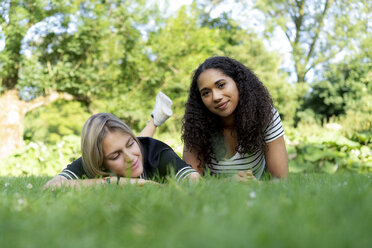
x=94 y=131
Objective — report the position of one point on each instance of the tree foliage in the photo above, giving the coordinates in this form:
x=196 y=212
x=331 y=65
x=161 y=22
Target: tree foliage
x=347 y=86
x=50 y=123
x=317 y=31
x=17 y=18
x=83 y=48
x=114 y=56
x=94 y=58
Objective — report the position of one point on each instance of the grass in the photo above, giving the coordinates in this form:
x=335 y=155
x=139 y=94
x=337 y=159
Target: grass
x=306 y=210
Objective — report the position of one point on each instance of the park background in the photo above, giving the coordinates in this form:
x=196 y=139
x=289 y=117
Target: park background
x=61 y=61
x=64 y=60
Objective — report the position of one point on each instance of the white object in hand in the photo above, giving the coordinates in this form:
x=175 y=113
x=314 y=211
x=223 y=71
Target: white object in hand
x=162 y=109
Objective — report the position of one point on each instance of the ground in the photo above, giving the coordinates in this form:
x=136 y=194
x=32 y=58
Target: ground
x=305 y=210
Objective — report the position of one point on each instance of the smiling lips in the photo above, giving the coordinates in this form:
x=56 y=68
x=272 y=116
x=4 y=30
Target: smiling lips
x=222 y=106
x=134 y=165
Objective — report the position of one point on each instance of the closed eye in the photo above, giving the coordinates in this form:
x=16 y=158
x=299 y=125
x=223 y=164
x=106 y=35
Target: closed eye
x=130 y=142
x=116 y=156
x=221 y=85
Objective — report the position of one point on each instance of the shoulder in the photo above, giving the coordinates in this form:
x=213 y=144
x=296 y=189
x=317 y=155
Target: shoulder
x=160 y=161
x=151 y=151
x=152 y=145
x=275 y=118
x=75 y=170
x=275 y=129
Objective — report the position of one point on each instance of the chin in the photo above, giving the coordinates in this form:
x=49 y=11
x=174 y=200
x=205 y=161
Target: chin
x=223 y=115
x=137 y=172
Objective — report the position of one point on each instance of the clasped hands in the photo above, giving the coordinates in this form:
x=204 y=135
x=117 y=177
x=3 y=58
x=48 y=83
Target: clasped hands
x=244 y=176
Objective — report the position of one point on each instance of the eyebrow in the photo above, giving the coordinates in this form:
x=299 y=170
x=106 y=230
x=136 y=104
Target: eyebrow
x=219 y=80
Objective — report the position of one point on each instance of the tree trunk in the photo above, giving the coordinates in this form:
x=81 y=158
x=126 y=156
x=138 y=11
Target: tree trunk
x=12 y=113
x=11 y=122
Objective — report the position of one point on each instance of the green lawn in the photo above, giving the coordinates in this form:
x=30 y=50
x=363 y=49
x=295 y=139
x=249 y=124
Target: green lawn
x=306 y=210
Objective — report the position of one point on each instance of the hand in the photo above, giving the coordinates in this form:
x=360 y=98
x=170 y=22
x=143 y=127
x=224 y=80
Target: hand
x=162 y=109
x=143 y=182
x=55 y=182
x=125 y=180
x=194 y=177
x=138 y=181
x=245 y=176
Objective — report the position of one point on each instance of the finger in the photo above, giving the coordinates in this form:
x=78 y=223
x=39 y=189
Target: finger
x=249 y=172
x=241 y=174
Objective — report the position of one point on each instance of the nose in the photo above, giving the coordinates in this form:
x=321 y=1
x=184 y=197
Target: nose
x=129 y=158
x=217 y=95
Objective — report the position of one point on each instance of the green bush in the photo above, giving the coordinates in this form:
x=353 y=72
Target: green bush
x=38 y=158
x=314 y=148
x=49 y=124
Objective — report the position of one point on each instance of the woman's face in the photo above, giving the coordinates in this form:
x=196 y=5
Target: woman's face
x=122 y=154
x=218 y=92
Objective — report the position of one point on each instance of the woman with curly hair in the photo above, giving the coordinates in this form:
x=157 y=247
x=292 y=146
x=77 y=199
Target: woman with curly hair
x=230 y=124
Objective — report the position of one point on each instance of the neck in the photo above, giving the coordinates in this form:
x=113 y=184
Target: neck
x=228 y=122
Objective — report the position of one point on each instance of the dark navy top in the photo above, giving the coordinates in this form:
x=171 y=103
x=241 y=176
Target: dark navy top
x=159 y=161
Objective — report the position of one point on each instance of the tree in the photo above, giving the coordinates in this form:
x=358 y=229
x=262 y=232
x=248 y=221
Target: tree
x=17 y=17
x=347 y=86
x=317 y=31
x=87 y=55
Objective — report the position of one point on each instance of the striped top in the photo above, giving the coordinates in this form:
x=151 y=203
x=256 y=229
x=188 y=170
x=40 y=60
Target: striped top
x=255 y=161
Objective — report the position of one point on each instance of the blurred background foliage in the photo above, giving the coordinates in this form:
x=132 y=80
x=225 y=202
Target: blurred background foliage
x=51 y=123
x=114 y=56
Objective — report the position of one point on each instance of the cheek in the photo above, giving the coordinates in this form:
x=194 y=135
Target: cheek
x=207 y=102
x=234 y=89
x=137 y=150
x=237 y=97
x=235 y=93
x=141 y=158
x=204 y=102
x=115 y=166
x=109 y=166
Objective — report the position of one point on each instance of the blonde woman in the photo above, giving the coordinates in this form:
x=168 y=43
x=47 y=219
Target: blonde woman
x=109 y=147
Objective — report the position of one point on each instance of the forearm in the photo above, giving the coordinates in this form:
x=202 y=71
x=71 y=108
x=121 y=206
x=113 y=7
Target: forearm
x=161 y=112
x=97 y=181
x=55 y=182
x=124 y=180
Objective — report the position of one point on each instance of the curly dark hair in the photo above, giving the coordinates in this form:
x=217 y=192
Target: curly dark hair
x=253 y=113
